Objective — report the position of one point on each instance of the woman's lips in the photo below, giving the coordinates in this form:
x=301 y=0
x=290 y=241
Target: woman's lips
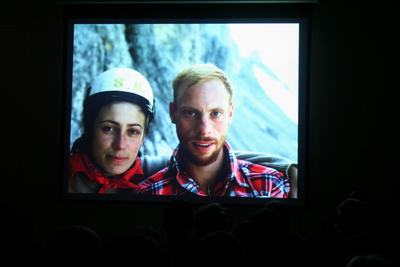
x=118 y=160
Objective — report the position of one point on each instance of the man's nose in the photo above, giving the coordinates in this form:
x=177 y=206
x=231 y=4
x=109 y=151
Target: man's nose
x=204 y=126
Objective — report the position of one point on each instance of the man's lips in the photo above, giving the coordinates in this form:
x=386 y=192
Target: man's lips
x=202 y=143
x=203 y=146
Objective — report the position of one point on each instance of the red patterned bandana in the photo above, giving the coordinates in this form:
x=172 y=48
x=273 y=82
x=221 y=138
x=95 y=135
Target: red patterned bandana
x=81 y=163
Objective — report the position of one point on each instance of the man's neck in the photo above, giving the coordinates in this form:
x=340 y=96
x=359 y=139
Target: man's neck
x=205 y=176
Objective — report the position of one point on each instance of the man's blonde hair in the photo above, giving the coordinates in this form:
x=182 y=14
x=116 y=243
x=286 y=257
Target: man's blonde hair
x=197 y=74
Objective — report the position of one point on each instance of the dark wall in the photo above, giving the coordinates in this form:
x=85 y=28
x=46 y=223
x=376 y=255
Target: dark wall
x=352 y=104
x=352 y=118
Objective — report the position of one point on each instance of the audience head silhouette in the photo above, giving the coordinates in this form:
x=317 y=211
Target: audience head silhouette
x=211 y=217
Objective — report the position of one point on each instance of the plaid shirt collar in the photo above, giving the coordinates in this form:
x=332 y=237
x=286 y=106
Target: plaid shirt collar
x=232 y=172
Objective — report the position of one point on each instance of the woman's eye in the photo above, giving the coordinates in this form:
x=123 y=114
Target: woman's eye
x=133 y=132
x=107 y=129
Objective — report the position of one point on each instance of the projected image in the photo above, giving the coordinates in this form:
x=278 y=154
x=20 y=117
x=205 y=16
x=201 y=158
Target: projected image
x=233 y=121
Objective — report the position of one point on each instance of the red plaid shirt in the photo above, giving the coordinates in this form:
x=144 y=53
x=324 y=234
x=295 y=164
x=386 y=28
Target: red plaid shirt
x=242 y=179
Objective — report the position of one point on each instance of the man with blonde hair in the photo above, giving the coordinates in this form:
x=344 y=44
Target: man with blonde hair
x=204 y=163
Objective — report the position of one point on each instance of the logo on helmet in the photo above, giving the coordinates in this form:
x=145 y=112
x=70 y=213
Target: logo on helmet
x=119 y=82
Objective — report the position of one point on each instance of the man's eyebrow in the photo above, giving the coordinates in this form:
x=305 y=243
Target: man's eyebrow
x=187 y=107
x=195 y=109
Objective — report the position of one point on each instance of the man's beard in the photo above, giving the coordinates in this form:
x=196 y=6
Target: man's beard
x=189 y=157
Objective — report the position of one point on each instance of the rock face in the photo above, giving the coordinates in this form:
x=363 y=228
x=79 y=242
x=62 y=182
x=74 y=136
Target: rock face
x=159 y=52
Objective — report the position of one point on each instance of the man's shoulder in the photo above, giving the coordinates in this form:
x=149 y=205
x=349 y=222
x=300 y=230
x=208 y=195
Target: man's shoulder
x=163 y=176
x=159 y=175
x=257 y=170
x=159 y=183
x=264 y=181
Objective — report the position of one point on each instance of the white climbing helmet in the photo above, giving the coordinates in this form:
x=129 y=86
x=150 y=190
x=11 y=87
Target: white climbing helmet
x=124 y=84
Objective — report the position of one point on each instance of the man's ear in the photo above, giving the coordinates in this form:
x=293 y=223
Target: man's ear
x=172 y=111
x=230 y=113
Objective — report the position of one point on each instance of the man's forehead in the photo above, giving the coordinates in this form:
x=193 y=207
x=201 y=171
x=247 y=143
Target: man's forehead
x=207 y=89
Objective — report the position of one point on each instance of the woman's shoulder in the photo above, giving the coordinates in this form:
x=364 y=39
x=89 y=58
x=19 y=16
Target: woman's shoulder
x=81 y=184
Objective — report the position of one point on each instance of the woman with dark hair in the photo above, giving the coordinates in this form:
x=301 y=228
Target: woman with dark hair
x=116 y=116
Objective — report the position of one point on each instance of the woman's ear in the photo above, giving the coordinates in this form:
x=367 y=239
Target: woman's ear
x=146 y=128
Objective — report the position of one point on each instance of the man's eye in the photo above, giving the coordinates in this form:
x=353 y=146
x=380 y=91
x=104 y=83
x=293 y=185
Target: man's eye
x=189 y=113
x=216 y=114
